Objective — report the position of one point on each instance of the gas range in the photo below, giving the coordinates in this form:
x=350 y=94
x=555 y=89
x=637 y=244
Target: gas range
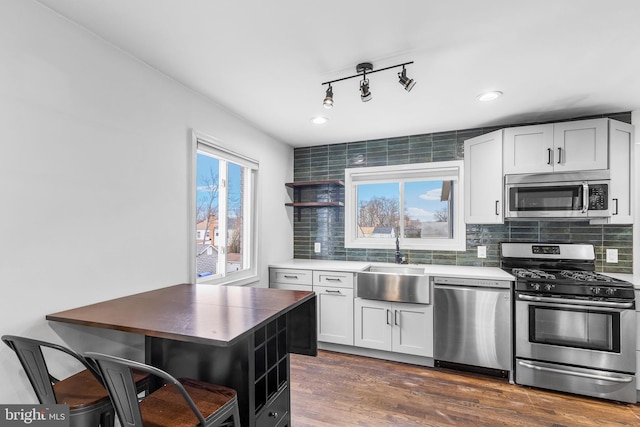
x=571 y=282
x=574 y=329
x=560 y=269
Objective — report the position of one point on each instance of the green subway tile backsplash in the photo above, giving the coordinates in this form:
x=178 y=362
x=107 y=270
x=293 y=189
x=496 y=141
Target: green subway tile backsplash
x=326 y=224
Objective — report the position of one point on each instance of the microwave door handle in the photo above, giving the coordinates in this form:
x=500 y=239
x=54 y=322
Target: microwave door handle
x=585 y=197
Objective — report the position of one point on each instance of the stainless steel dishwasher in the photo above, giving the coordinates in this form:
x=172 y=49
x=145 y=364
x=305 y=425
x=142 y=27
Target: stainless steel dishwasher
x=472 y=324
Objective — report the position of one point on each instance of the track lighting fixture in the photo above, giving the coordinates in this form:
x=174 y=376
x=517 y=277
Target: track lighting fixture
x=328 y=99
x=406 y=82
x=363 y=69
x=365 y=93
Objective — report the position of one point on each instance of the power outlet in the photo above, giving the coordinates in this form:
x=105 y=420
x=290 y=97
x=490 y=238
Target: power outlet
x=482 y=251
x=612 y=256
x=317 y=247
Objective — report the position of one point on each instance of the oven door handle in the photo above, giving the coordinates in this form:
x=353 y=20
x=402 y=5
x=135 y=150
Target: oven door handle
x=576 y=374
x=603 y=304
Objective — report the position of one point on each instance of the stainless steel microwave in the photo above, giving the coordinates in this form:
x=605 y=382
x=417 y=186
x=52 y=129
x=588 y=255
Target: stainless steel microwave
x=558 y=195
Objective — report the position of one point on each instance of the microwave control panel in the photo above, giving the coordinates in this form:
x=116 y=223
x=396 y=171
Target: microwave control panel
x=598 y=197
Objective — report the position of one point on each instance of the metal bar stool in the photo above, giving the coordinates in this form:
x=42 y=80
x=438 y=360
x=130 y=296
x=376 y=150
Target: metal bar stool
x=88 y=400
x=177 y=403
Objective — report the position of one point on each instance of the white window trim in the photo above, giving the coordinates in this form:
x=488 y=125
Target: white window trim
x=453 y=170
x=250 y=256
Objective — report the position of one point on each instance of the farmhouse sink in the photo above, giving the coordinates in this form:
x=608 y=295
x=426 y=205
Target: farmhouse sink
x=394 y=283
x=398 y=269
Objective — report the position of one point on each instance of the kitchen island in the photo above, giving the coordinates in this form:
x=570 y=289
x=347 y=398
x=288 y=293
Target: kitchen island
x=239 y=337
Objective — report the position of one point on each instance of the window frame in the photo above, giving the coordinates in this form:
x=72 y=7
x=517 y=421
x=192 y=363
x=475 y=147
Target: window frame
x=214 y=147
x=448 y=170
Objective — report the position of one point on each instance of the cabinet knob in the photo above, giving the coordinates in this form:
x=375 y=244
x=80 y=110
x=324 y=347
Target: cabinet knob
x=273 y=414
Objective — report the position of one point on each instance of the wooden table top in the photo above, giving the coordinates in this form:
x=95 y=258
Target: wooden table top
x=215 y=315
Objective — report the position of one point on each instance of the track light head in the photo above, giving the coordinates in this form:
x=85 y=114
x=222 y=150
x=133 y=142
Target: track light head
x=365 y=93
x=406 y=82
x=328 y=100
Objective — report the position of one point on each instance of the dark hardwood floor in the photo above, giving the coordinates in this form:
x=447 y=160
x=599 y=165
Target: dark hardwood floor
x=336 y=389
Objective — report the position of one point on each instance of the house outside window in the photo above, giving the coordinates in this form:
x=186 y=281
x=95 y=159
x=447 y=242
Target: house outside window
x=420 y=204
x=223 y=214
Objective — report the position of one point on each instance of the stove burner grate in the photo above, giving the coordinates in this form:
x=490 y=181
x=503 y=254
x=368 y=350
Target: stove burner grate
x=531 y=273
x=585 y=276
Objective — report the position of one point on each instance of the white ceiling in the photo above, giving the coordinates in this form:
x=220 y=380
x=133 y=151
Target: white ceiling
x=266 y=60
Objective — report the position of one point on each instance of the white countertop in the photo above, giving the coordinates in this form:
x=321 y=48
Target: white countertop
x=321 y=264
x=493 y=273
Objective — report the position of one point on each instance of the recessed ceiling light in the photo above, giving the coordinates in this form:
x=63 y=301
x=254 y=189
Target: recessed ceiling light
x=489 y=96
x=319 y=120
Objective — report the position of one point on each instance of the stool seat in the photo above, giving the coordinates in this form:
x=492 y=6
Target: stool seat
x=166 y=407
x=180 y=402
x=83 y=389
x=89 y=402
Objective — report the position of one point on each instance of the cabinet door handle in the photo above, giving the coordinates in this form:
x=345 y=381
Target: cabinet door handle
x=388 y=321
x=397 y=318
x=549 y=154
x=290 y=277
x=333 y=279
x=335 y=292
x=616 y=211
x=273 y=414
x=497 y=207
x=559 y=155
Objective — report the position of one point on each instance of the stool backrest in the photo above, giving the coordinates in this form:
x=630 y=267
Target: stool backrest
x=30 y=355
x=117 y=378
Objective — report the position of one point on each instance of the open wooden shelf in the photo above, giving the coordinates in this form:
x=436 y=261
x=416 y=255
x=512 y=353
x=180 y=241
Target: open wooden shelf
x=299 y=185
x=315 y=183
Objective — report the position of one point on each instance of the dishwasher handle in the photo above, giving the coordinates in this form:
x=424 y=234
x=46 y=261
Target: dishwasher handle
x=470 y=282
x=468 y=288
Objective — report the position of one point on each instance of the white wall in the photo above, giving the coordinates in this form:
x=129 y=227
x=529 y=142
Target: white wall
x=94 y=150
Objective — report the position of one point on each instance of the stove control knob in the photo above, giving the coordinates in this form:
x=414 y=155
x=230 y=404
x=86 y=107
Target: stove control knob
x=548 y=286
x=535 y=286
x=595 y=291
x=611 y=291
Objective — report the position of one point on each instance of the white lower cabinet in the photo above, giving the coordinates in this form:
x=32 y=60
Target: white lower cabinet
x=399 y=327
x=335 y=314
x=334 y=290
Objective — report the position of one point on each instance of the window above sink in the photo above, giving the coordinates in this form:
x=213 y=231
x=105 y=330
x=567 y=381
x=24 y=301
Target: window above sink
x=420 y=204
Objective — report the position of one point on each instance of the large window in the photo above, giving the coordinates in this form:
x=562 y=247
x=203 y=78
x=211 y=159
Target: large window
x=224 y=217
x=420 y=204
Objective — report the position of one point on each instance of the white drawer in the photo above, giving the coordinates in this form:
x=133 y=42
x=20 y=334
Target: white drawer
x=333 y=278
x=296 y=277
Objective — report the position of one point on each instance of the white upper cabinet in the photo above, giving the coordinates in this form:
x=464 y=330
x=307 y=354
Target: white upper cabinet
x=621 y=157
x=483 y=179
x=580 y=145
x=528 y=149
x=559 y=147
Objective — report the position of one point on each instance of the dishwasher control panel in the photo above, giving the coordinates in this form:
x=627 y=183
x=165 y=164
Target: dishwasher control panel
x=469 y=281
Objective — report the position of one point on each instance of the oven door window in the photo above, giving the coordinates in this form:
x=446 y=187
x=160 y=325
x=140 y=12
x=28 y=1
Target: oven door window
x=543 y=198
x=588 y=329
